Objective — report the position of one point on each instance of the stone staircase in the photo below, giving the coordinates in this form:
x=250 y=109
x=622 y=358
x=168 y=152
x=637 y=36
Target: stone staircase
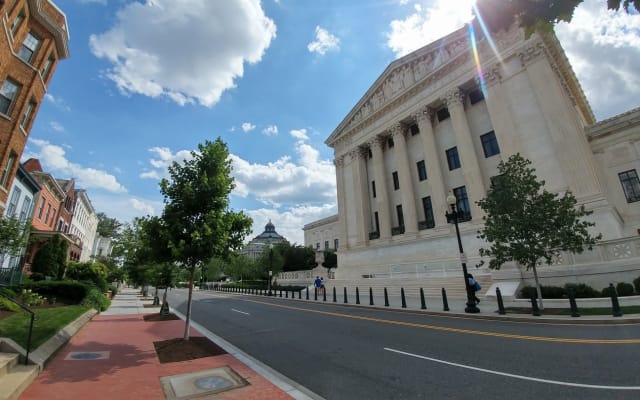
x=14 y=376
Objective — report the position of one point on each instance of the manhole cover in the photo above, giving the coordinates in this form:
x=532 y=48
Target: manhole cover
x=87 y=355
x=201 y=383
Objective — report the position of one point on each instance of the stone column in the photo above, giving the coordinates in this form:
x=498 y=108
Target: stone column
x=382 y=196
x=362 y=206
x=432 y=161
x=500 y=114
x=406 y=183
x=342 y=212
x=466 y=151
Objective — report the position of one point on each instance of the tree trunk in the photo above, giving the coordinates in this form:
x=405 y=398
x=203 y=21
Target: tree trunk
x=538 y=289
x=187 y=321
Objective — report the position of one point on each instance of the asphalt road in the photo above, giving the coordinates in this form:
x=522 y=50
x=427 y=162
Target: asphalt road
x=347 y=352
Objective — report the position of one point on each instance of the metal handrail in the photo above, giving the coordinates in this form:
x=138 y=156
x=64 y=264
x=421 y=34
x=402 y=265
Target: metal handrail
x=33 y=315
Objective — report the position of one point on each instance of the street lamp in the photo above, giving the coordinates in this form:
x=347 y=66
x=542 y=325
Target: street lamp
x=455 y=214
x=270 y=265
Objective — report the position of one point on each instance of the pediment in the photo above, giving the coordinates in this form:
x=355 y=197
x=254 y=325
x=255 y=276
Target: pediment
x=402 y=75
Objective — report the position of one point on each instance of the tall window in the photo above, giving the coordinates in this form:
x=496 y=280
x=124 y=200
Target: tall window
x=373 y=188
x=26 y=209
x=46 y=216
x=428 y=212
x=422 y=170
x=335 y=244
x=8 y=168
x=376 y=221
x=462 y=204
x=475 y=96
x=400 y=215
x=47 y=67
x=442 y=114
x=29 y=47
x=396 y=181
x=27 y=115
x=13 y=202
x=41 y=208
x=16 y=22
x=8 y=93
x=453 y=159
x=326 y=245
x=490 y=144
x=630 y=185
x=318 y=246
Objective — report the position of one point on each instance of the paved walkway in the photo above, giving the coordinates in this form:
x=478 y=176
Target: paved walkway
x=113 y=357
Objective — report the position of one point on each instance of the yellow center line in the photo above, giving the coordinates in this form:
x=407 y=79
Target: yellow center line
x=456 y=330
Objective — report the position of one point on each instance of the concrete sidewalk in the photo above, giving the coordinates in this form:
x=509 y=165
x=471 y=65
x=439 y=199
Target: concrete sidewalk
x=113 y=357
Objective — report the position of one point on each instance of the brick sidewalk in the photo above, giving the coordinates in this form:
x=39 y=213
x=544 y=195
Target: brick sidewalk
x=130 y=367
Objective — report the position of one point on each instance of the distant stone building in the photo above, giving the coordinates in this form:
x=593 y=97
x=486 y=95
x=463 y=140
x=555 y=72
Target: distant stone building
x=33 y=38
x=255 y=247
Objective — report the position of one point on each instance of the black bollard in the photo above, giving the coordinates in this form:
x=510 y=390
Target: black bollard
x=308 y=293
x=616 y=312
x=315 y=294
x=535 y=311
x=423 y=304
x=335 y=299
x=572 y=303
x=445 y=303
x=280 y=292
x=357 y=296
x=386 y=298
x=370 y=296
x=300 y=295
x=286 y=294
x=501 y=309
x=404 y=301
x=345 y=295
x=324 y=294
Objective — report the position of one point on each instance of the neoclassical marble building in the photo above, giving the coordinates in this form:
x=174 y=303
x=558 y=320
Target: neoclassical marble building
x=260 y=243
x=431 y=124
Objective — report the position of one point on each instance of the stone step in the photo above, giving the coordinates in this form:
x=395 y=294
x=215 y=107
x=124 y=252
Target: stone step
x=16 y=381
x=7 y=361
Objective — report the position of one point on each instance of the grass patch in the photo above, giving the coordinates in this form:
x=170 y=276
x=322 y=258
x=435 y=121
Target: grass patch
x=581 y=311
x=47 y=323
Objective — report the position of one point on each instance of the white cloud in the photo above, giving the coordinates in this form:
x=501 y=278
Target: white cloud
x=300 y=134
x=57 y=101
x=248 y=126
x=324 y=42
x=53 y=160
x=604 y=50
x=163 y=158
x=186 y=50
x=428 y=24
x=142 y=206
x=270 y=130
x=56 y=126
x=287 y=182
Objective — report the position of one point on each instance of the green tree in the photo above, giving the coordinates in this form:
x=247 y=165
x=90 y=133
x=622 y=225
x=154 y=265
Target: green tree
x=296 y=257
x=196 y=218
x=93 y=272
x=108 y=227
x=527 y=224
x=51 y=259
x=330 y=260
x=14 y=236
x=536 y=15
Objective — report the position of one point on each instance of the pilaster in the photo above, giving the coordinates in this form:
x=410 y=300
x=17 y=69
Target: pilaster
x=406 y=183
x=382 y=195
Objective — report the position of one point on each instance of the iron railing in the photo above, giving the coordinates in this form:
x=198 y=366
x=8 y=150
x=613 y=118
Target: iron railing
x=33 y=316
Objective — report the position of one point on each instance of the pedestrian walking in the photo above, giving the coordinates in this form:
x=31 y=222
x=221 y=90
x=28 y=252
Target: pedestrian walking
x=474 y=286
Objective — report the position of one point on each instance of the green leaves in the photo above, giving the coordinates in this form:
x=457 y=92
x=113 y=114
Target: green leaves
x=525 y=223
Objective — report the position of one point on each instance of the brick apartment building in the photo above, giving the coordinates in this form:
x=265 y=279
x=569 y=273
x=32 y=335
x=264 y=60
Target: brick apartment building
x=33 y=38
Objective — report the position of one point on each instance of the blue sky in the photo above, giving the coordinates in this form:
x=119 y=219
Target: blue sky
x=149 y=80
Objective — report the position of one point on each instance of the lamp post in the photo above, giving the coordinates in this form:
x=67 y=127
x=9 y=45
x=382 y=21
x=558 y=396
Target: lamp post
x=455 y=214
x=270 y=265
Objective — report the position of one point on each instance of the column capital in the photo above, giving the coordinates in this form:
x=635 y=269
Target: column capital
x=454 y=97
x=357 y=153
x=397 y=130
x=377 y=142
x=339 y=162
x=424 y=114
x=492 y=76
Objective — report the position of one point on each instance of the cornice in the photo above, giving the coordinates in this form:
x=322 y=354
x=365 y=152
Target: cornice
x=60 y=32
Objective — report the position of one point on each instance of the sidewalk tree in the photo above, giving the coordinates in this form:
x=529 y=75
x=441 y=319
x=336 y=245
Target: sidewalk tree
x=330 y=260
x=527 y=224
x=196 y=218
x=537 y=15
x=50 y=259
x=14 y=236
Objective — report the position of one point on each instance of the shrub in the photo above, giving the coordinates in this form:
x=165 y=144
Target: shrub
x=114 y=290
x=548 y=292
x=582 y=291
x=6 y=304
x=636 y=283
x=624 y=289
x=74 y=292
x=29 y=298
x=96 y=299
x=8 y=292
